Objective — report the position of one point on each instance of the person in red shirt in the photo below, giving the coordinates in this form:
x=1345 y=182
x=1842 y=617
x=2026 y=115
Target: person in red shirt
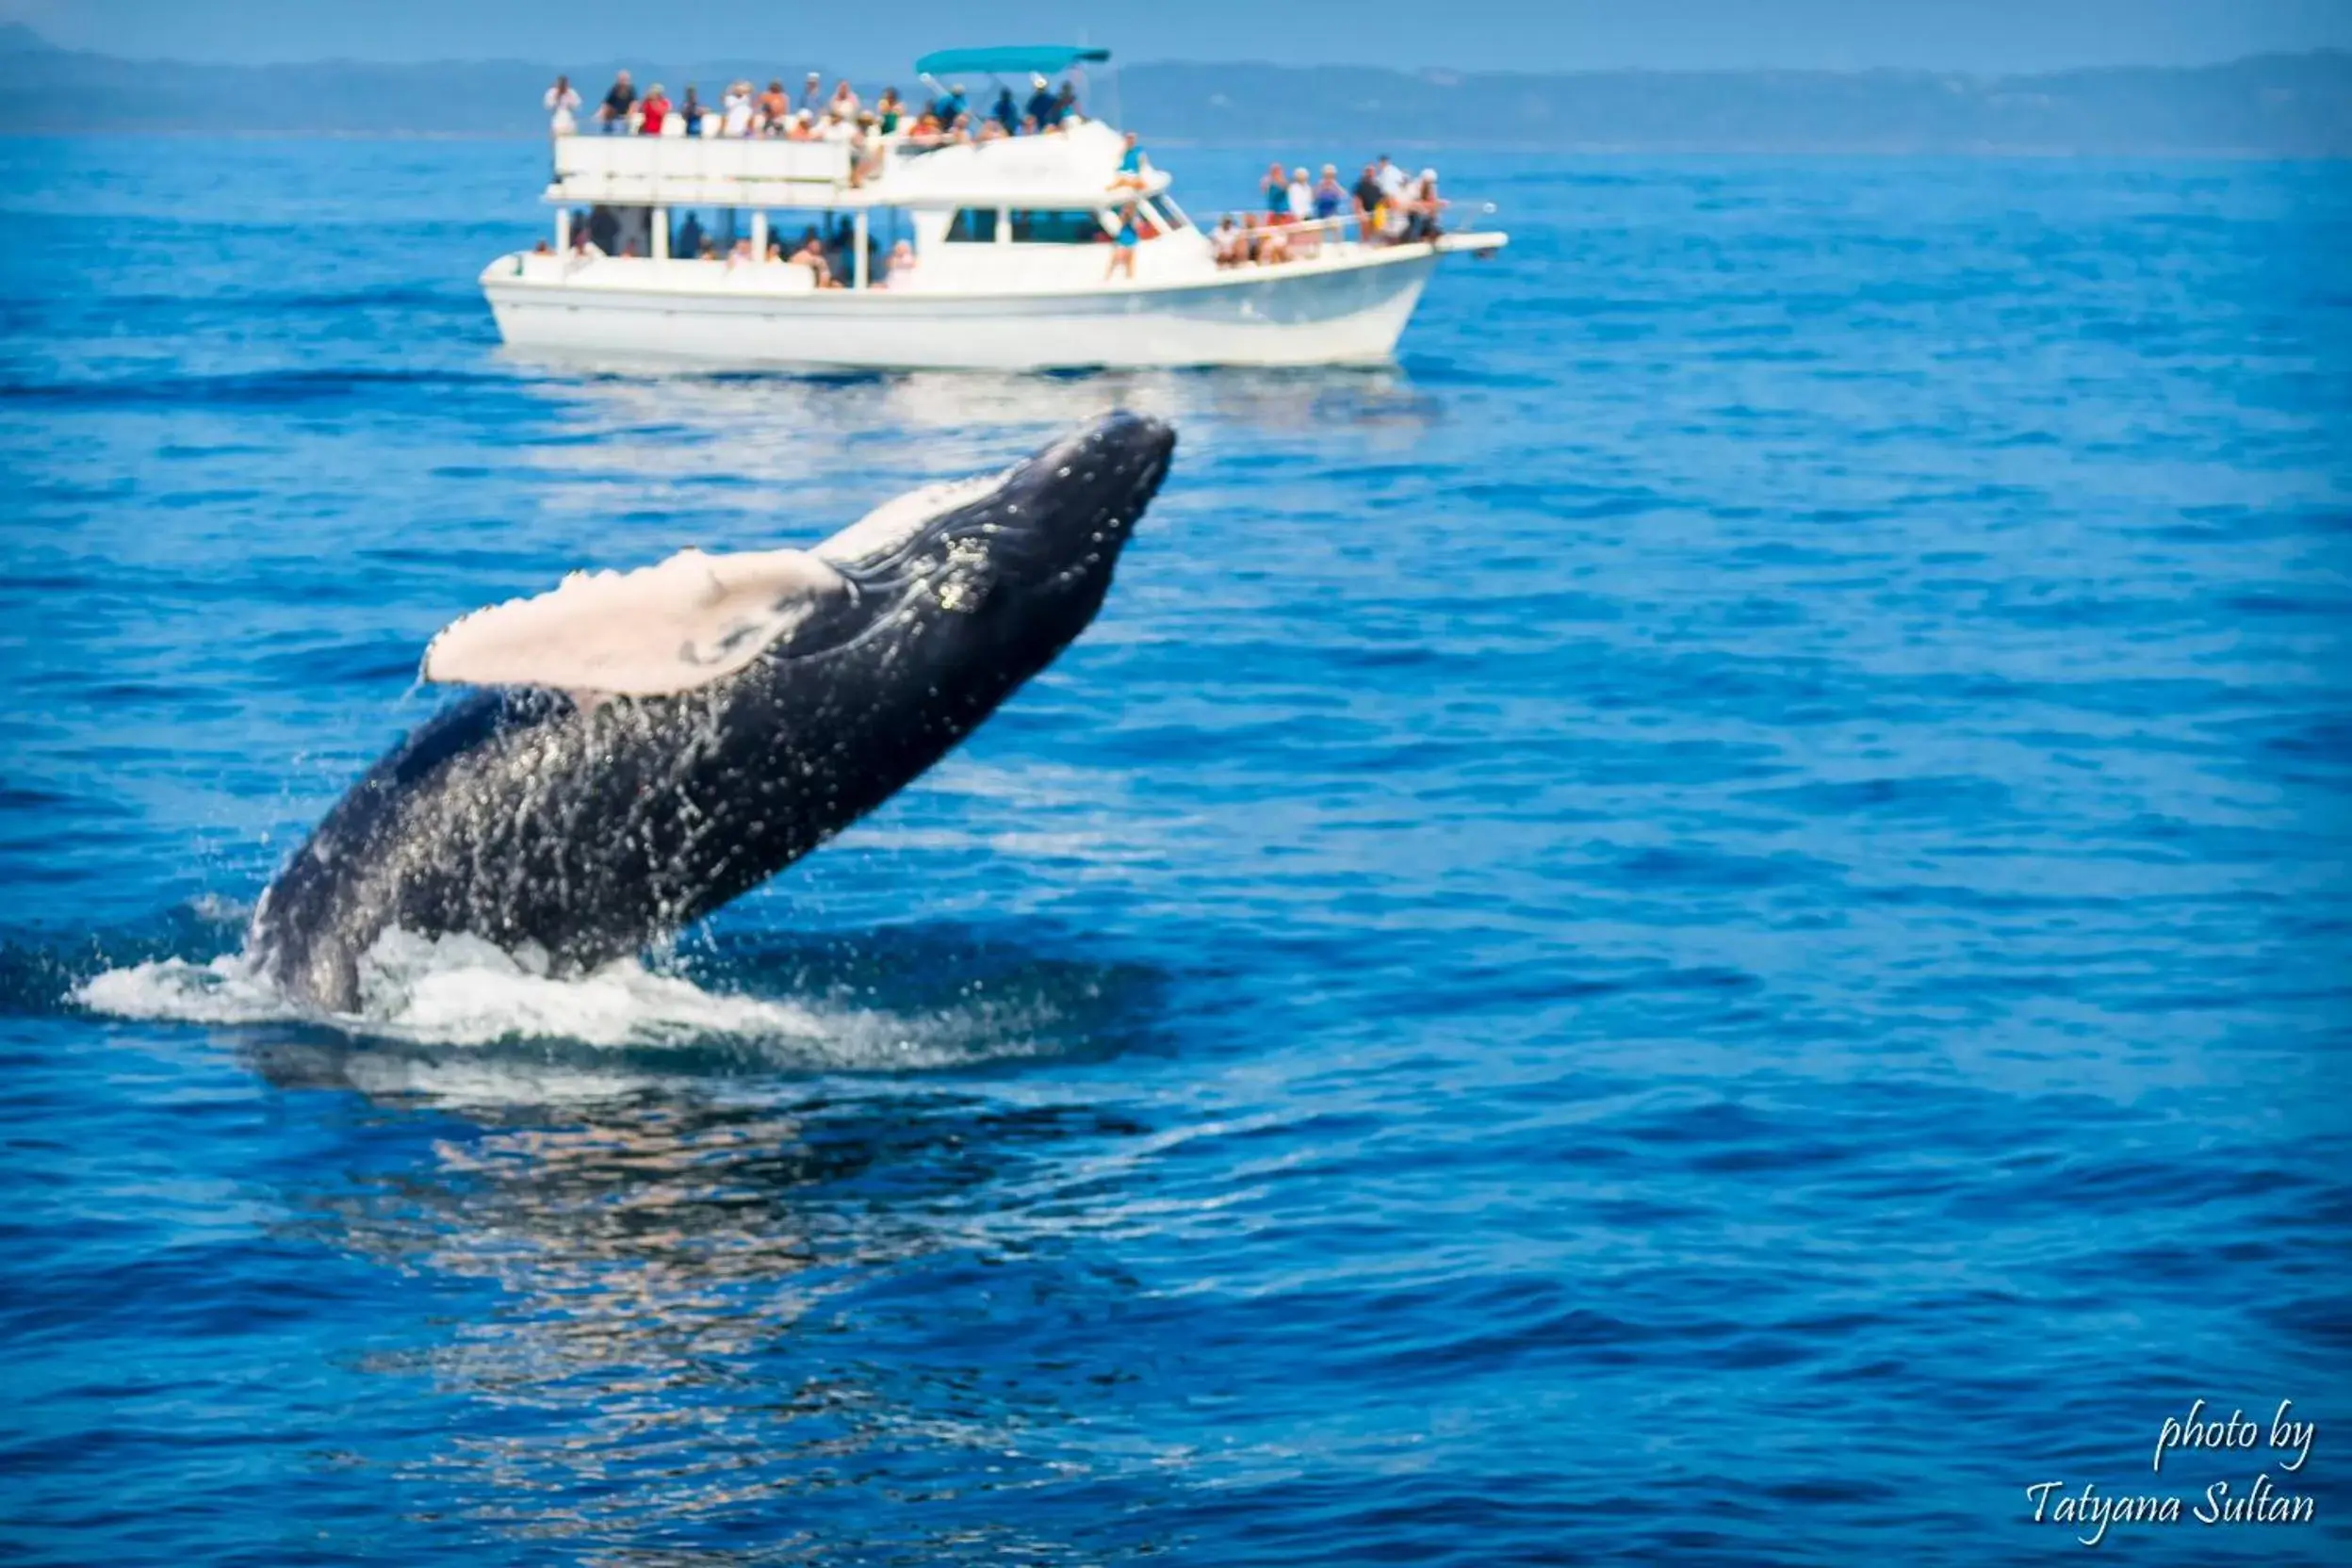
x=655 y=108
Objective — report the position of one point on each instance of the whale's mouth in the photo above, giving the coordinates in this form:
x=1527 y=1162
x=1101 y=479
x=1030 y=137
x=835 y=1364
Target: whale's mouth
x=1059 y=516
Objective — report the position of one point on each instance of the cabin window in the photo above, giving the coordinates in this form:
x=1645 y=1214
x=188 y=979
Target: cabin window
x=1056 y=226
x=973 y=226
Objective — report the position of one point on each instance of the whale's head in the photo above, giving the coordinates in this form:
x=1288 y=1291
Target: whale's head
x=994 y=574
x=1034 y=544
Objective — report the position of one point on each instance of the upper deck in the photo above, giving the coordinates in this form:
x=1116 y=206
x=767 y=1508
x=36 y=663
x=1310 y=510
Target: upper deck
x=1078 y=167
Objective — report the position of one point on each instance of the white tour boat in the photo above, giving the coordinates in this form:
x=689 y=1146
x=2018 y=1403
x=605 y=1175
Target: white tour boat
x=1011 y=242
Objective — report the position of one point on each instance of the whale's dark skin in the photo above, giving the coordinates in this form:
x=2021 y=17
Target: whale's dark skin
x=586 y=830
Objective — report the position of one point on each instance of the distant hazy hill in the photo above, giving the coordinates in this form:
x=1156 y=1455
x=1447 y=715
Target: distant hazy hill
x=2285 y=105
x=2295 y=105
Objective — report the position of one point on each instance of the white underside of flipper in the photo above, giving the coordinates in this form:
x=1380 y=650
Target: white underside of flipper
x=671 y=628
x=655 y=631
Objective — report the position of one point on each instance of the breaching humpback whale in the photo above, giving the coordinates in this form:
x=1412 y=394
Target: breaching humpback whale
x=648 y=745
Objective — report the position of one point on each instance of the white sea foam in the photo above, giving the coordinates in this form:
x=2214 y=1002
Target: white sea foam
x=462 y=991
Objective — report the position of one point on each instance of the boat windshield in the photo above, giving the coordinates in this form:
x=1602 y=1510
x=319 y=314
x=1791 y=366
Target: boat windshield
x=1056 y=226
x=973 y=226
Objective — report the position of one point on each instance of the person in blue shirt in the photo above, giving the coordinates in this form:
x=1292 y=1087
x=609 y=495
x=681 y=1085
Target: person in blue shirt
x=1123 y=244
x=1005 y=114
x=1331 y=197
x=1131 y=164
x=952 y=106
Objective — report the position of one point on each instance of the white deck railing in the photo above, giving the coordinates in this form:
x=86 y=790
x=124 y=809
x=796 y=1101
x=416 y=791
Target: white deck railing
x=1300 y=237
x=1305 y=237
x=689 y=171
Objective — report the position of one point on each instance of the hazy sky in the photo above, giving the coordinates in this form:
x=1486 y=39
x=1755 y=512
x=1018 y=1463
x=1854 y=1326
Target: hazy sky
x=865 y=35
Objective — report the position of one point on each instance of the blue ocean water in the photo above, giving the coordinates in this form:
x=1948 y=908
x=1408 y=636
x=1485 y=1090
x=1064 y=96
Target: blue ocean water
x=1708 y=921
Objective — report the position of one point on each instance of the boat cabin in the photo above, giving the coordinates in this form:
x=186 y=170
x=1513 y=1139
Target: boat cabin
x=1032 y=212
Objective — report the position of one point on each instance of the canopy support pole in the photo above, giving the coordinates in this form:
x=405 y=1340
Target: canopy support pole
x=858 y=263
x=562 y=230
x=660 y=235
x=760 y=234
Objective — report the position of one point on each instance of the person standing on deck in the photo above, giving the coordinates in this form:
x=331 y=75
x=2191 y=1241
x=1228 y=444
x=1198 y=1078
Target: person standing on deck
x=1275 y=189
x=618 y=100
x=1123 y=246
x=1041 y=107
x=1133 y=166
x=655 y=110
x=1299 y=201
x=1331 y=197
x=562 y=99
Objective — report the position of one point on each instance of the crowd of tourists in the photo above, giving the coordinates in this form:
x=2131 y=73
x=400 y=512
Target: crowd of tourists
x=1300 y=212
x=815 y=115
x=1303 y=213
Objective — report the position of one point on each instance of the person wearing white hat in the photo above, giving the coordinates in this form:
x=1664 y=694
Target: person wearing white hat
x=1299 y=201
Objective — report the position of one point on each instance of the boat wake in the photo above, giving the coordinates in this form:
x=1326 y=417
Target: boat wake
x=460 y=990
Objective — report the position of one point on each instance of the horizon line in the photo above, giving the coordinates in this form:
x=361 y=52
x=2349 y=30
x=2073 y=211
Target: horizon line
x=1424 y=72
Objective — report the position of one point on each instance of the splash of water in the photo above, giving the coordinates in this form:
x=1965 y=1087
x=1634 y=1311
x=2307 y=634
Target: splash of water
x=460 y=990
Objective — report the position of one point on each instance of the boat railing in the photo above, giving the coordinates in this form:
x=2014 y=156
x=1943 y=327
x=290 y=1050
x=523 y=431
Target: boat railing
x=1300 y=237
x=624 y=168
x=708 y=167
x=1307 y=236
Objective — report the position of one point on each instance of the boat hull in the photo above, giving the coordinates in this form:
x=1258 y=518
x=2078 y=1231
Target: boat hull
x=1302 y=315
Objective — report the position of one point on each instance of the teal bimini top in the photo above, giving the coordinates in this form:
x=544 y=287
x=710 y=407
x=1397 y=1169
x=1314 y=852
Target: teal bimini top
x=1009 y=60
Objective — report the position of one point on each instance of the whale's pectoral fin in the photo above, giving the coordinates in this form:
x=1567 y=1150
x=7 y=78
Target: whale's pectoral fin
x=650 y=632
